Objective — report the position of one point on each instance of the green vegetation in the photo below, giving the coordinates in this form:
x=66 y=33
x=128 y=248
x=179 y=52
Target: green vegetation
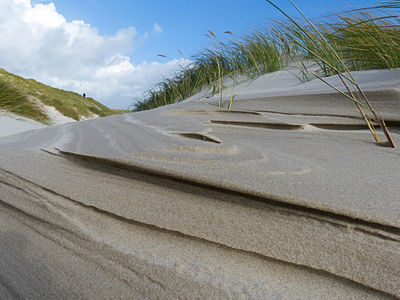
x=253 y=55
x=24 y=97
x=13 y=101
x=318 y=43
x=362 y=39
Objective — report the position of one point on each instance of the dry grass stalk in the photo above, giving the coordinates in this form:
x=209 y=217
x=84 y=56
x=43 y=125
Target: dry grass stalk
x=219 y=69
x=330 y=56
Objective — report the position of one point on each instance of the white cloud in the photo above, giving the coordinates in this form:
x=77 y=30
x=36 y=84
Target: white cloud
x=42 y=15
x=37 y=42
x=157 y=29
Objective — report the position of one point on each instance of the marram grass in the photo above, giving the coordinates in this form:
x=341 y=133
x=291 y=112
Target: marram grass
x=363 y=39
x=21 y=96
x=360 y=39
x=235 y=56
x=13 y=101
x=315 y=41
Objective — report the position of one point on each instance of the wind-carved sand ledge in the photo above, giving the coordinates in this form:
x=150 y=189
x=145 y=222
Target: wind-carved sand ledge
x=282 y=196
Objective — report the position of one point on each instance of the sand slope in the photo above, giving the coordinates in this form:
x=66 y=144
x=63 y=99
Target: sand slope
x=12 y=124
x=286 y=196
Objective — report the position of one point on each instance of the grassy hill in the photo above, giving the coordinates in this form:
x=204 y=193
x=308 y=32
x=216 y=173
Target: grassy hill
x=26 y=97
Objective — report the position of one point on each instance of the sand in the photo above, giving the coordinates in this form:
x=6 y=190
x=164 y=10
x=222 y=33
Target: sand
x=55 y=116
x=285 y=196
x=12 y=124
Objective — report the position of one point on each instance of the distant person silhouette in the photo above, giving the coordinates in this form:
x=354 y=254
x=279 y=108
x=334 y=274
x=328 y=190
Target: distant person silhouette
x=84 y=95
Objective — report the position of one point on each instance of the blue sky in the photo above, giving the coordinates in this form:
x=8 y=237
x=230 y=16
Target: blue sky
x=108 y=49
x=184 y=22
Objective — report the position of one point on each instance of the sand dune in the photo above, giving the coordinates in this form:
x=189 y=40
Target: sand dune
x=286 y=195
x=12 y=124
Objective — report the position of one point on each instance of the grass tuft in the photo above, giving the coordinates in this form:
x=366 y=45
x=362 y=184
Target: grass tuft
x=13 y=101
x=359 y=39
x=251 y=55
x=316 y=42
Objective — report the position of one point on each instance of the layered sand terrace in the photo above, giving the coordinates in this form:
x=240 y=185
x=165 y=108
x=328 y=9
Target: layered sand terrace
x=193 y=198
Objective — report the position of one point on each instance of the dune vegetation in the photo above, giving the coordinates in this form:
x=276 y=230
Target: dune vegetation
x=320 y=46
x=25 y=97
x=364 y=39
x=13 y=101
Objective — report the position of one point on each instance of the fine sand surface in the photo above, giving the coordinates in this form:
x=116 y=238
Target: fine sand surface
x=12 y=124
x=284 y=196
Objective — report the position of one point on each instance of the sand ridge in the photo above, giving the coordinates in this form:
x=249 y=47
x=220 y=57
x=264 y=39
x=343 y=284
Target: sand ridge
x=285 y=196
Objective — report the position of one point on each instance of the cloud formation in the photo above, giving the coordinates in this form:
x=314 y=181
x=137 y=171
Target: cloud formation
x=157 y=29
x=38 y=42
